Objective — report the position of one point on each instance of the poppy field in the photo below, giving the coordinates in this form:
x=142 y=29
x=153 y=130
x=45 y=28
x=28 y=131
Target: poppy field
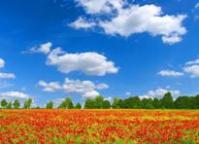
x=99 y=126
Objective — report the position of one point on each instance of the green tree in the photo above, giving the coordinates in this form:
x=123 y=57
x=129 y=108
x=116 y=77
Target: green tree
x=9 y=105
x=99 y=102
x=147 y=103
x=78 y=106
x=167 y=101
x=50 y=105
x=106 y=104
x=66 y=104
x=89 y=103
x=27 y=103
x=196 y=102
x=185 y=102
x=117 y=103
x=16 y=104
x=132 y=102
x=4 y=103
x=156 y=103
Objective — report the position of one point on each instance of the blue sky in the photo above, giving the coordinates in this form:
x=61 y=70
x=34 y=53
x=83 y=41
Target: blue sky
x=112 y=48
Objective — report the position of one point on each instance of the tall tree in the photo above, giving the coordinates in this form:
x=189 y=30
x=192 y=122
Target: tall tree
x=147 y=103
x=89 y=103
x=27 y=103
x=185 y=102
x=196 y=102
x=167 y=101
x=4 y=103
x=117 y=103
x=9 y=105
x=78 y=106
x=106 y=104
x=99 y=102
x=66 y=104
x=16 y=104
x=49 y=105
x=132 y=102
x=156 y=103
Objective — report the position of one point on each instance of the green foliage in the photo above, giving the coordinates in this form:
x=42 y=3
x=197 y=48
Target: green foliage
x=117 y=103
x=156 y=103
x=185 y=102
x=9 y=105
x=49 y=105
x=78 y=106
x=16 y=104
x=147 y=103
x=4 y=103
x=66 y=104
x=89 y=103
x=132 y=102
x=97 y=103
x=106 y=104
x=27 y=103
x=167 y=101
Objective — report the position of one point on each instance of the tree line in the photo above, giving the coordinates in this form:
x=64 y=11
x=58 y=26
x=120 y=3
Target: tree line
x=134 y=102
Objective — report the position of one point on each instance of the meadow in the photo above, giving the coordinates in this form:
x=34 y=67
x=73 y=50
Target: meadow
x=58 y=126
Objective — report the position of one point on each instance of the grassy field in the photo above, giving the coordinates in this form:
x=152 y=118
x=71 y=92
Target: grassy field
x=99 y=126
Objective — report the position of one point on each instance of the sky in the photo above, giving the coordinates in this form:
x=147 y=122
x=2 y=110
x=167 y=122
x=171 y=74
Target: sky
x=83 y=48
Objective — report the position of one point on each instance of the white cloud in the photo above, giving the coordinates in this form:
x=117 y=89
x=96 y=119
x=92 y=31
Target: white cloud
x=171 y=39
x=197 y=5
x=82 y=23
x=85 y=88
x=126 y=19
x=14 y=94
x=2 y=63
x=49 y=87
x=170 y=73
x=102 y=86
x=193 y=70
x=128 y=93
x=147 y=18
x=7 y=76
x=43 y=48
x=90 y=63
x=160 y=92
x=100 y=6
x=192 y=67
x=196 y=61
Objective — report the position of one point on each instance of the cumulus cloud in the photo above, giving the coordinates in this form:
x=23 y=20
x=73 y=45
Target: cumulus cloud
x=2 y=63
x=43 y=48
x=86 y=88
x=5 y=75
x=82 y=23
x=90 y=63
x=128 y=93
x=192 y=68
x=170 y=73
x=126 y=19
x=49 y=87
x=100 y=6
x=14 y=94
x=197 y=5
x=160 y=92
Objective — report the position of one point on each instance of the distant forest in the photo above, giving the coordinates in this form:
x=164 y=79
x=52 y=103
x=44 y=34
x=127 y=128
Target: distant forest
x=134 y=102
